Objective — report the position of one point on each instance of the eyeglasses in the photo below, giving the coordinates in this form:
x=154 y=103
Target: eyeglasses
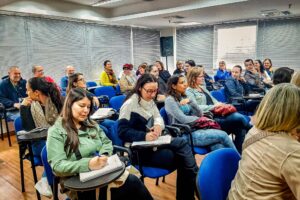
x=150 y=91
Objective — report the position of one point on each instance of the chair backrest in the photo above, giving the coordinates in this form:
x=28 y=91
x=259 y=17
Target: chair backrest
x=164 y=115
x=116 y=102
x=47 y=168
x=114 y=136
x=18 y=124
x=219 y=95
x=216 y=172
x=91 y=84
x=105 y=90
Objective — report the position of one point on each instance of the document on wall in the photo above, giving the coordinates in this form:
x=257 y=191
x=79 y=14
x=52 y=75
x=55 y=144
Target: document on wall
x=102 y=113
x=113 y=164
x=166 y=139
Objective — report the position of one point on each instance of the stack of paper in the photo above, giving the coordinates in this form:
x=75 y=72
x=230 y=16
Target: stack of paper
x=102 y=113
x=113 y=164
x=166 y=139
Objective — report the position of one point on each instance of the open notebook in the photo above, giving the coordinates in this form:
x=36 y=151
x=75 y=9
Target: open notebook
x=113 y=164
x=102 y=113
x=166 y=139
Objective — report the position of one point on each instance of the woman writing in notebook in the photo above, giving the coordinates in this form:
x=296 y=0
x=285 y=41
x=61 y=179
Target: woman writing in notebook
x=74 y=140
x=135 y=114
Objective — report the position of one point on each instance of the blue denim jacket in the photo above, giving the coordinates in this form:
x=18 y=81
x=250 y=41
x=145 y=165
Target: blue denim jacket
x=235 y=88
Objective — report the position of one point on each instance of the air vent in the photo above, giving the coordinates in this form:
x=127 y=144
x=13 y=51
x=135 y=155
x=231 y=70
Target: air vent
x=274 y=13
x=286 y=12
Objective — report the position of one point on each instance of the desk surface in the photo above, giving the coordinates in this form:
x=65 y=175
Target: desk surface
x=34 y=136
x=253 y=97
x=75 y=184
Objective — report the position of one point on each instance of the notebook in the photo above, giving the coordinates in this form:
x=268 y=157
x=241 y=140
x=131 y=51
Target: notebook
x=113 y=164
x=102 y=113
x=166 y=139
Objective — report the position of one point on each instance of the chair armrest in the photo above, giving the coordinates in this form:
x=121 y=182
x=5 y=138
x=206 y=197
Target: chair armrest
x=186 y=127
x=174 y=131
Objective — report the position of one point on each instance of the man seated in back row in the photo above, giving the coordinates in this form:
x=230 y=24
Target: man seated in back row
x=12 y=91
x=65 y=80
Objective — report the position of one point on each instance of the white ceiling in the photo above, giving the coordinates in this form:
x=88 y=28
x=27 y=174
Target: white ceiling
x=152 y=14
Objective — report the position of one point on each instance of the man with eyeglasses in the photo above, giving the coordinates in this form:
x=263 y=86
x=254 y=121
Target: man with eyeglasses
x=38 y=71
x=12 y=91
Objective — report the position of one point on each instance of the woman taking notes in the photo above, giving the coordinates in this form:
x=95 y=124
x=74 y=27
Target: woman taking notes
x=73 y=141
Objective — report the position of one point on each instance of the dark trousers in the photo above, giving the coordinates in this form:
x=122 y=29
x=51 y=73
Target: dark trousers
x=236 y=124
x=178 y=155
x=133 y=189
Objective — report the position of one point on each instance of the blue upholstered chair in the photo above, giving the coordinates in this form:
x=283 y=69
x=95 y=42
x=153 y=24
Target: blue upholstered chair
x=116 y=102
x=51 y=178
x=105 y=90
x=216 y=172
x=150 y=172
x=22 y=148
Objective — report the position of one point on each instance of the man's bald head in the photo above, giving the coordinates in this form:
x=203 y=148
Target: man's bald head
x=70 y=70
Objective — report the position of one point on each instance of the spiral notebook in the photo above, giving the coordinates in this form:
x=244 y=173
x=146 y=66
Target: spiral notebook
x=166 y=139
x=113 y=164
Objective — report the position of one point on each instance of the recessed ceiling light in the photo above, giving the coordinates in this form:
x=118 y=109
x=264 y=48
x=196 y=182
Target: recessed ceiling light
x=187 y=23
x=105 y=2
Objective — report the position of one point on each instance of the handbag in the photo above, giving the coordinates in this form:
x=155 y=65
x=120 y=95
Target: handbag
x=206 y=123
x=224 y=110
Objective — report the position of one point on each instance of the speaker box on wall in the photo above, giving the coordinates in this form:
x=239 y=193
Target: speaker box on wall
x=166 y=46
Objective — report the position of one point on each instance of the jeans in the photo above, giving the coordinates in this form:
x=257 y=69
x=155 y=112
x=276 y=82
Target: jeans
x=212 y=138
x=178 y=155
x=13 y=115
x=236 y=124
x=133 y=188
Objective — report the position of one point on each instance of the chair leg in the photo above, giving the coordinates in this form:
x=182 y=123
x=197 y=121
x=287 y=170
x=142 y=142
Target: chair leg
x=33 y=170
x=164 y=179
x=1 y=127
x=55 y=188
x=157 y=181
x=22 y=170
x=7 y=130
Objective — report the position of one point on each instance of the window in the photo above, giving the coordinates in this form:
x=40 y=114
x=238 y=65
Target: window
x=235 y=44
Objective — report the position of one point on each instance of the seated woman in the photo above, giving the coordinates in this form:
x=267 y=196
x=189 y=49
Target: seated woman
x=179 y=68
x=222 y=74
x=162 y=86
x=77 y=80
x=41 y=108
x=73 y=141
x=163 y=74
x=141 y=70
x=268 y=67
x=108 y=77
x=182 y=110
x=136 y=112
x=234 y=123
x=269 y=168
x=263 y=74
x=236 y=86
x=128 y=79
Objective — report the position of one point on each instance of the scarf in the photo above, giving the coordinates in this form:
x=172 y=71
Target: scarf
x=40 y=118
x=111 y=75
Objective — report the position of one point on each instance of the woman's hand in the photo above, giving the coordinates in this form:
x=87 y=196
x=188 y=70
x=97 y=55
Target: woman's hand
x=156 y=129
x=184 y=101
x=160 y=98
x=219 y=104
x=97 y=162
x=151 y=136
x=26 y=101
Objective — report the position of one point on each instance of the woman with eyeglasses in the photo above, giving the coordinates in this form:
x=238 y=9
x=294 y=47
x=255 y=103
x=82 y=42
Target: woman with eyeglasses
x=234 y=123
x=74 y=144
x=139 y=110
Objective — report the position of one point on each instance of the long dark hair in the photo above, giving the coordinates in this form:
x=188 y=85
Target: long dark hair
x=48 y=89
x=261 y=66
x=145 y=78
x=173 y=80
x=71 y=80
x=68 y=124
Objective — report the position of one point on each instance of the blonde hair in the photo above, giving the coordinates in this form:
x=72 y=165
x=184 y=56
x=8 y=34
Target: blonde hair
x=296 y=79
x=280 y=109
x=192 y=76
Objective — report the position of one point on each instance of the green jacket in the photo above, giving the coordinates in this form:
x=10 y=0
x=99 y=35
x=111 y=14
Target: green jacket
x=90 y=141
x=200 y=98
